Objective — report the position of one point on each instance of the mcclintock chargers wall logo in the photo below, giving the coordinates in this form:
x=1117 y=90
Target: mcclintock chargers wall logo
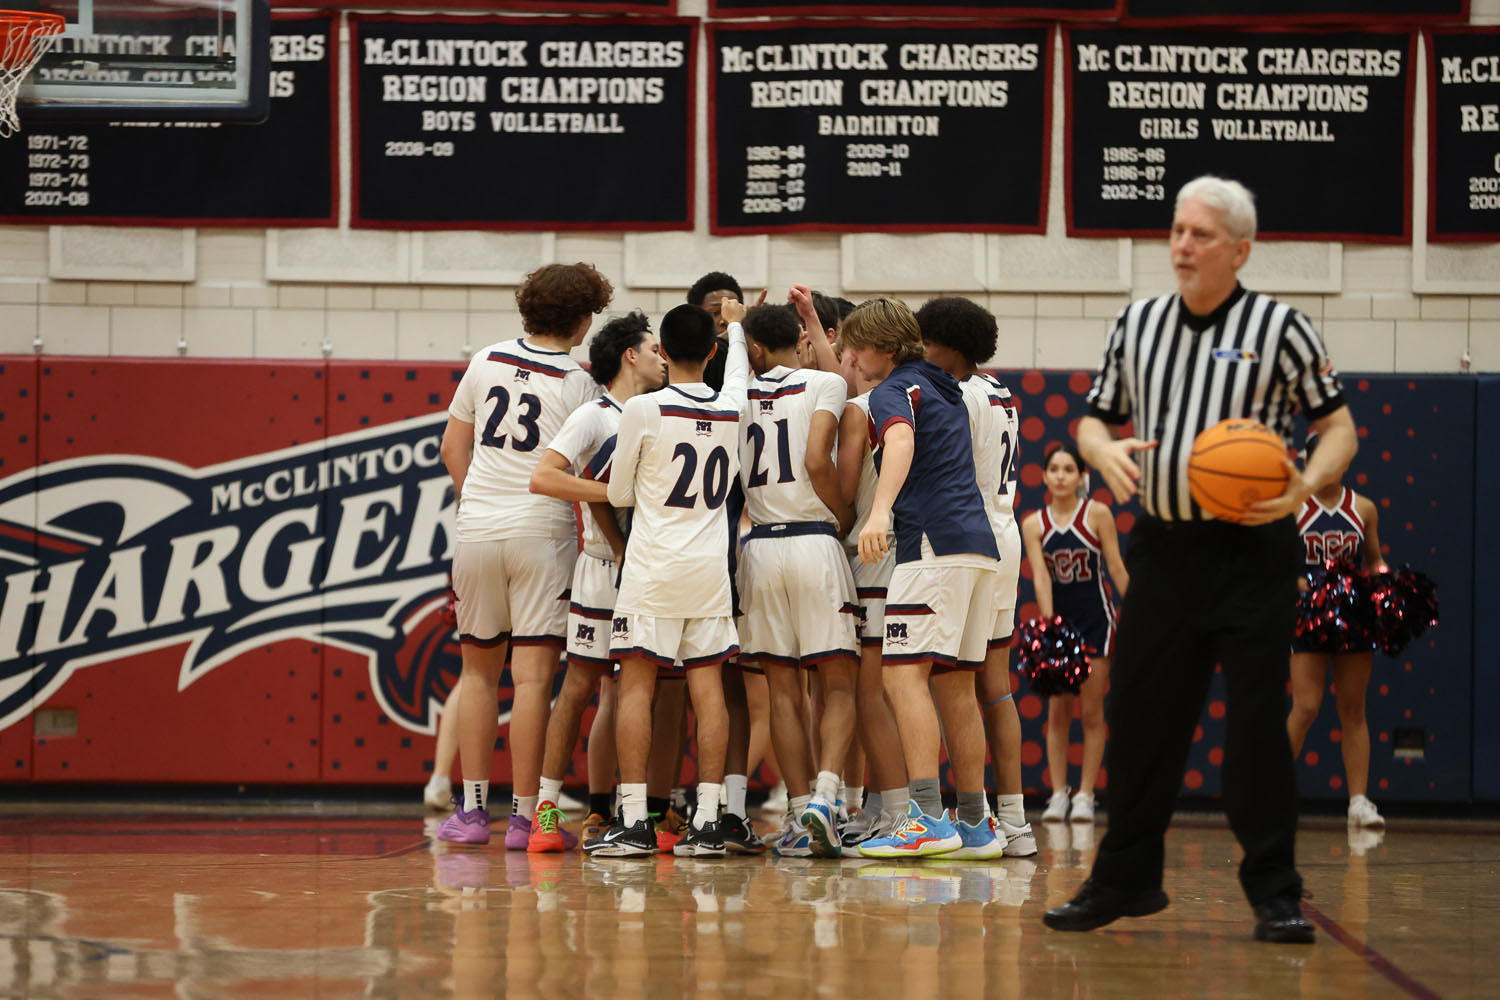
x=344 y=541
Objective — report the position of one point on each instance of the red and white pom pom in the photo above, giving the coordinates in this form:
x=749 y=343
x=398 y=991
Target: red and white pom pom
x=1053 y=656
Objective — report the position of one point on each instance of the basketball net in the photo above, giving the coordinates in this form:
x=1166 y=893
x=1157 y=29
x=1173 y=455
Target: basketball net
x=24 y=38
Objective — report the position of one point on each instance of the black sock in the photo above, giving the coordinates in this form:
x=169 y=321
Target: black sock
x=656 y=808
x=602 y=803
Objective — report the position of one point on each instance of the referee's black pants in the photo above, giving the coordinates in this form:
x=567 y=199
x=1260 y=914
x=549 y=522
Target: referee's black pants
x=1203 y=593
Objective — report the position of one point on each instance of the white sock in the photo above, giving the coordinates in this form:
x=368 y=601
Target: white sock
x=895 y=800
x=874 y=806
x=827 y=788
x=1013 y=809
x=523 y=806
x=476 y=795
x=708 y=804
x=632 y=803
x=438 y=781
x=796 y=805
x=550 y=790
x=679 y=800
x=734 y=794
x=854 y=797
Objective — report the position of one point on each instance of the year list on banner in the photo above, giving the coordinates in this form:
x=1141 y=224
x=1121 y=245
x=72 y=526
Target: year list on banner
x=1463 y=140
x=497 y=123
x=276 y=173
x=894 y=126
x=1316 y=124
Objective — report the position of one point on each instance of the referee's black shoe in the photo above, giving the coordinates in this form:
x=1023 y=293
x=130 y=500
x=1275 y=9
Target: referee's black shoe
x=1096 y=905
x=1281 y=920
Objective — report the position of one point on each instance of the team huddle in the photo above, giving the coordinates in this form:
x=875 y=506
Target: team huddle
x=875 y=465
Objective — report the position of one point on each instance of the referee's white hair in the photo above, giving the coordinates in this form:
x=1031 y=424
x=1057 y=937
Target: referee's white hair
x=1231 y=198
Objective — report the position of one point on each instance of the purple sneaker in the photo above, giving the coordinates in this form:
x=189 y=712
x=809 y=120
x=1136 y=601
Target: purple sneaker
x=517 y=834
x=466 y=827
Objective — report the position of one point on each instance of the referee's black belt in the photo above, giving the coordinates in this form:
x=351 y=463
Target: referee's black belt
x=791 y=529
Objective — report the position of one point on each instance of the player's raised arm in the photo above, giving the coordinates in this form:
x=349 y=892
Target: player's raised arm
x=552 y=478
x=737 y=364
x=636 y=423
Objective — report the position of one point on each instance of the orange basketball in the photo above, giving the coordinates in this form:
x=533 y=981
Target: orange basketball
x=1234 y=464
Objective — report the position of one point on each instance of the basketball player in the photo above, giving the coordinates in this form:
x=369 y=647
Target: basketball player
x=944 y=591
x=1337 y=523
x=887 y=805
x=515 y=549
x=959 y=336
x=1069 y=543
x=795 y=586
x=623 y=358
x=676 y=453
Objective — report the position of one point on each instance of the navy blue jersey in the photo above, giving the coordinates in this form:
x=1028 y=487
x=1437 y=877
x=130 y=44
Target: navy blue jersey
x=940 y=499
x=1075 y=561
x=1336 y=532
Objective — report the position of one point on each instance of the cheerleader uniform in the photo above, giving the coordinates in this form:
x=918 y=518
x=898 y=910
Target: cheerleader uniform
x=1336 y=532
x=1075 y=561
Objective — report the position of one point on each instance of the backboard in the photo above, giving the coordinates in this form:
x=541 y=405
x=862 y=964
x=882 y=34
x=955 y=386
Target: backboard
x=151 y=60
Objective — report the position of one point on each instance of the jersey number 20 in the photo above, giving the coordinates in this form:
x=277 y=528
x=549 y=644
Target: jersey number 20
x=715 y=477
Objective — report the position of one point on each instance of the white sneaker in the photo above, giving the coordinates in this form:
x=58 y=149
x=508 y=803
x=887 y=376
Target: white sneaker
x=1362 y=812
x=569 y=804
x=1083 y=808
x=1020 y=842
x=1057 y=806
x=438 y=794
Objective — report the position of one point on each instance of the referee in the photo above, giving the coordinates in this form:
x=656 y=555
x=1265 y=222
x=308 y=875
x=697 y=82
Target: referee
x=1204 y=591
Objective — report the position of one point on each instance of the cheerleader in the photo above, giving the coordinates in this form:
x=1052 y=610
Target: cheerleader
x=1069 y=543
x=1337 y=523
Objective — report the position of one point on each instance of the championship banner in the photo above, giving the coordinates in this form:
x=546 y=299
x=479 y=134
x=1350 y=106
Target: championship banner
x=890 y=126
x=511 y=123
x=278 y=173
x=943 y=8
x=1348 y=12
x=1316 y=123
x=1463 y=134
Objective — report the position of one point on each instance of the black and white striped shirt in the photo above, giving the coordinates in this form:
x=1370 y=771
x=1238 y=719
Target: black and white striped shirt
x=1174 y=374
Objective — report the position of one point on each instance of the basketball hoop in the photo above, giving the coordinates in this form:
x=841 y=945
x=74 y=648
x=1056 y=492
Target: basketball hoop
x=25 y=37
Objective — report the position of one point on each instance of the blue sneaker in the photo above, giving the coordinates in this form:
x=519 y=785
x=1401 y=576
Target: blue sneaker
x=916 y=836
x=982 y=841
x=818 y=819
x=794 y=842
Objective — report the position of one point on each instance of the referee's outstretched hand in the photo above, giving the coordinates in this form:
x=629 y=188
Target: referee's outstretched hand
x=1115 y=462
x=1298 y=489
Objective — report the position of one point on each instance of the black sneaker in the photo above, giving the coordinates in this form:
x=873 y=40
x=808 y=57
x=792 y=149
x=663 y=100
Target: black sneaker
x=706 y=841
x=621 y=841
x=738 y=837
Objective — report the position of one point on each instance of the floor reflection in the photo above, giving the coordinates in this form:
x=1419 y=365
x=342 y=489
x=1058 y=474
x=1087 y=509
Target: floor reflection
x=278 y=906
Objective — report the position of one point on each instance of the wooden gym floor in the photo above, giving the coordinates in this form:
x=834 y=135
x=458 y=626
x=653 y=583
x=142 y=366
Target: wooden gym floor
x=347 y=902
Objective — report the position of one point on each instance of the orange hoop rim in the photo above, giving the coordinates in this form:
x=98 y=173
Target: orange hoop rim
x=37 y=18
x=24 y=27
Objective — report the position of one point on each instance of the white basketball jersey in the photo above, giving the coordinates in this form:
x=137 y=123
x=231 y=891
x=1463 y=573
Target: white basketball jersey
x=996 y=430
x=587 y=441
x=517 y=398
x=864 y=497
x=777 y=421
x=676 y=454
